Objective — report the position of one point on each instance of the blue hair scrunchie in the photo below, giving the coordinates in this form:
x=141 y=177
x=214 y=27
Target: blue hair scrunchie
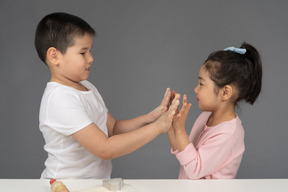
x=236 y=50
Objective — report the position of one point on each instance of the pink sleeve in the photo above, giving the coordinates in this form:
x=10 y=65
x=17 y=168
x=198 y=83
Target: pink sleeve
x=208 y=157
x=174 y=152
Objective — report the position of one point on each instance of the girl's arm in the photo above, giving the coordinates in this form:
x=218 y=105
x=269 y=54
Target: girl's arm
x=181 y=137
x=172 y=140
x=123 y=126
x=200 y=162
x=170 y=132
x=95 y=141
x=208 y=157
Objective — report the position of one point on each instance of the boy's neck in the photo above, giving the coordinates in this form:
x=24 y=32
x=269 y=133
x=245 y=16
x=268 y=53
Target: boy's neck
x=75 y=85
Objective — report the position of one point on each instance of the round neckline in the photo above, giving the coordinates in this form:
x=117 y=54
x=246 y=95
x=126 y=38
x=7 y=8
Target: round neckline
x=88 y=90
x=210 y=127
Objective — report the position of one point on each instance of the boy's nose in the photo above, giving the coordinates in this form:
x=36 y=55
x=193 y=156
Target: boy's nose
x=90 y=59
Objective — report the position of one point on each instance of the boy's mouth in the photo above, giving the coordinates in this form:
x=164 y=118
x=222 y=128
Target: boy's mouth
x=87 y=68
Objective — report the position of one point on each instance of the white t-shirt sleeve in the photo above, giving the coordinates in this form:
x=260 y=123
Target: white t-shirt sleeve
x=66 y=113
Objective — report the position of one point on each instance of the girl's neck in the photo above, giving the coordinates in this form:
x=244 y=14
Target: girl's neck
x=221 y=115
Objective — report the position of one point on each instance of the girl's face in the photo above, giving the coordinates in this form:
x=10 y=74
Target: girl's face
x=76 y=62
x=207 y=98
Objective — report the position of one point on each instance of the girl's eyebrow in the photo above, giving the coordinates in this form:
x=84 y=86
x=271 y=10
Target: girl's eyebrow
x=201 y=78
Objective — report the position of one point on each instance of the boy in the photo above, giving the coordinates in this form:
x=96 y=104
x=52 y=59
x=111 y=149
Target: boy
x=81 y=136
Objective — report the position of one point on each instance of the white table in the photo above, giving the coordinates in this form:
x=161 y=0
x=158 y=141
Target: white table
x=236 y=185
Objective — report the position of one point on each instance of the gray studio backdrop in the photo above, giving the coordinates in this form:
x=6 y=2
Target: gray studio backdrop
x=141 y=48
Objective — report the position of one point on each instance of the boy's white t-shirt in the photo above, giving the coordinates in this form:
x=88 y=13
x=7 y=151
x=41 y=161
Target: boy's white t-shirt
x=64 y=111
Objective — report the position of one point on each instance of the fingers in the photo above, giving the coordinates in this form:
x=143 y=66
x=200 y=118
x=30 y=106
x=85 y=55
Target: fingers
x=167 y=94
x=167 y=97
x=172 y=97
x=175 y=103
x=165 y=121
x=185 y=108
x=184 y=100
x=184 y=104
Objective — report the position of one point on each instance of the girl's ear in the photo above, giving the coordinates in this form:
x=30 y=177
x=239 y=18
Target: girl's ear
x=53 y=56
x=227 y=92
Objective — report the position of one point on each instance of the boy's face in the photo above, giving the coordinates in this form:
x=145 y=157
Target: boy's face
x=75 y=64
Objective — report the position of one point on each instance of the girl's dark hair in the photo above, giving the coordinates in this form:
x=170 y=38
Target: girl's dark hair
x=58 y=30
x=244 y=71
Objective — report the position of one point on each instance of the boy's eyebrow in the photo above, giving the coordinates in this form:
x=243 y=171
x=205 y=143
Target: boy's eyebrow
x=86 y=48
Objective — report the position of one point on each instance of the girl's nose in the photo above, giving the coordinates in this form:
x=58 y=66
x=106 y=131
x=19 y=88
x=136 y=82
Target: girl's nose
x=196 y=89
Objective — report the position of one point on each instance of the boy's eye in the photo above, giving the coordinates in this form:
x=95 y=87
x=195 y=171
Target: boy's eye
x=82 y=53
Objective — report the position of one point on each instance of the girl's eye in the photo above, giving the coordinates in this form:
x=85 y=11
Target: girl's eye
x=82 y=53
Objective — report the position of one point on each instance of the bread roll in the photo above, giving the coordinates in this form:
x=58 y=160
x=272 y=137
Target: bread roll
x=58 y=186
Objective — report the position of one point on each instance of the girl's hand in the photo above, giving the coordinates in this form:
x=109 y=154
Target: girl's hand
x=181 y=115
x=163 y=107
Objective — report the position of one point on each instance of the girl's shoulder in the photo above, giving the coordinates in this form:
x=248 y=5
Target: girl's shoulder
x=204 y=116
x=231 y=126
x=201 y=120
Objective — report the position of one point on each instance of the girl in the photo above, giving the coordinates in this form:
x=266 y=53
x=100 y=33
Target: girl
x=215 y=146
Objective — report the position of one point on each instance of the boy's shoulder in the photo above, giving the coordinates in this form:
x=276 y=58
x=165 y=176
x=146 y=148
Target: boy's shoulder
x=88 y=84
x=57 y=91
x=54 y=86
x=57 y=87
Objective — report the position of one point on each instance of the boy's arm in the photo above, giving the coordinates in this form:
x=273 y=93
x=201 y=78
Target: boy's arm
x=95 y=141
x=178 y=125
x=123 y=126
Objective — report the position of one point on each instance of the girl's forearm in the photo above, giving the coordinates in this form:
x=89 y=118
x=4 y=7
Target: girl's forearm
x=182 y=139
x=172 y=140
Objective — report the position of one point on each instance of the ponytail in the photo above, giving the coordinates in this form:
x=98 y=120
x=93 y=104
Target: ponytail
x=241 y=69
x=255 y=68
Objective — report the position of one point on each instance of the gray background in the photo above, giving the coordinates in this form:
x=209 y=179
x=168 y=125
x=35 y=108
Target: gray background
x=141 y=48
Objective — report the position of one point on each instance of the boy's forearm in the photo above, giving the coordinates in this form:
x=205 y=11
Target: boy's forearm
x=123 y=144
x=124 y=126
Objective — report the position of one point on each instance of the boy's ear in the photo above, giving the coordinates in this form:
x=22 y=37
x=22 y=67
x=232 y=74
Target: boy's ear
x=227 y=92
x=53 y=56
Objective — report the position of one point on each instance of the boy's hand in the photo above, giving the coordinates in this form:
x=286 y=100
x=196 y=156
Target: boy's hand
x=165 y=121
x=163 y=107
x=181 y=115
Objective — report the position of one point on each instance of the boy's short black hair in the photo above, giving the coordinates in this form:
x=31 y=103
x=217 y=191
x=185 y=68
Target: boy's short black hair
x=58 y=30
